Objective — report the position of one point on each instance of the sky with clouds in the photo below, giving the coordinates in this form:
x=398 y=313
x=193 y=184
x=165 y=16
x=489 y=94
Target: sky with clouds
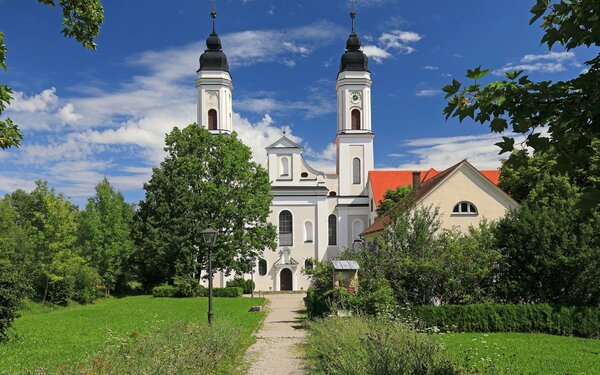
x=89 y=114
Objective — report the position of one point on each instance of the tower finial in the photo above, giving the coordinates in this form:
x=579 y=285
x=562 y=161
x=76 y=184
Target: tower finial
x=352 y=12
x=213 y=15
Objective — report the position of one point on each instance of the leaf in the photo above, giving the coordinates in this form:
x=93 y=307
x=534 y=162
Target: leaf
x=452 y=88
x=498 y=125
x=477 y=73
x=507 y=145
x=513 y=75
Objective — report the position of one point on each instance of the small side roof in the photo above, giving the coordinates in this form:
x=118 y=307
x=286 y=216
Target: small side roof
x=345 y=265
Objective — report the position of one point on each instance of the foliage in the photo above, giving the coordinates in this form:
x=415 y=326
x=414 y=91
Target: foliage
x=12 y=290
x=81 y=21
x=423 y=264
x=362 y=346
x=204 y=181
x=179 y=349
x=552 y=250
x=164 y=291
x=81 y=332
x=542 y=318
x=188 y=287
x=521 y=353
x=567 y=111
x=70 y=278
x=246 y=285
x=105 y=234
x=391 y=197
x=230 y=292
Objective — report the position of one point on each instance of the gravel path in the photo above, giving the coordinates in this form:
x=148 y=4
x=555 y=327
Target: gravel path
x=276 y=350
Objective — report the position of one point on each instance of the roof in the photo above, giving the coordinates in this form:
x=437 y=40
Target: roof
x=213 y=57
x=428 y=183
x=284 y=142
x=383 y=180
x=345 y=265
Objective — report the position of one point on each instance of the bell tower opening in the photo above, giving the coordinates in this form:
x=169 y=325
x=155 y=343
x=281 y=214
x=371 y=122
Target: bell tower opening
x=355 y=119
x=212 y=120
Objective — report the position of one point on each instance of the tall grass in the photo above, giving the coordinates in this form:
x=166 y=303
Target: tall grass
x=370 y=346
x=183 y=348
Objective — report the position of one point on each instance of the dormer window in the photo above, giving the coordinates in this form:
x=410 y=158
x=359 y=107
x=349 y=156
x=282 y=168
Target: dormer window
x=355 y=119
x=212 y=119
x=464 y=208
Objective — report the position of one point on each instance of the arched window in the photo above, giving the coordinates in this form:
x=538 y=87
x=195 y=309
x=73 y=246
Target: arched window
x=308 y=231
x=308 y=263
x=285 y=229
x=464 y=208
x=332 y=230
x=355 y=119
x=212 y=119
x=285 y=166
x=262 y=267
x=356 y=171
x=357 y=228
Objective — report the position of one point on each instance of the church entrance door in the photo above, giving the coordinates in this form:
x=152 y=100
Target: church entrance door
x=285 y=279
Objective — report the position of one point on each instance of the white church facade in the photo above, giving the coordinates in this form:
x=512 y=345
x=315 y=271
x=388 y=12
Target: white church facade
x=317 y=215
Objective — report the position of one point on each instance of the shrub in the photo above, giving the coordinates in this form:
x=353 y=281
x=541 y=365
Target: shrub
x=365 y=346
x=134 y=288
x=13 y=288
x=231 y=292
x=543 y=318
x=164 y=291
x=188 y=287
x=246 y=285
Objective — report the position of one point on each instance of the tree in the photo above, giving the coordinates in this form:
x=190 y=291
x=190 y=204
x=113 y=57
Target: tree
x=391 y=197
x=568 y=110
x=13 y=288
x=204 y=181
x=105 y=234
x=551 y=250
x=81 y=20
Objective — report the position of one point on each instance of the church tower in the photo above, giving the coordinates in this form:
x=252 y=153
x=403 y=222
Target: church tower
x=354 y=139
x=214 y=87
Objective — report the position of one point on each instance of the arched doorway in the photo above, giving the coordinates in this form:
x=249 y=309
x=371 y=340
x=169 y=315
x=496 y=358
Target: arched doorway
x=285 y=279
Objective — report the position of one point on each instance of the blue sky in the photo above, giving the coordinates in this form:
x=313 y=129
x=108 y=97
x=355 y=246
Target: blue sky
x=89 y=114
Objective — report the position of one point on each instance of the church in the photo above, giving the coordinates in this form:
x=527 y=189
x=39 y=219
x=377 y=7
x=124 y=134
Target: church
x=318 y=215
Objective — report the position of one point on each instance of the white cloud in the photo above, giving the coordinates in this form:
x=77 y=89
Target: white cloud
x=428 y=92
x=388 y=43
x=430 y=67
x=552 y=62
x=43 y=101
x=67 y=114
x=376 y=53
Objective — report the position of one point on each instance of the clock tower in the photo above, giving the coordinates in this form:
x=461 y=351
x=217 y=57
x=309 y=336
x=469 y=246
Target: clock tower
x=354 y=139
x=214 y=87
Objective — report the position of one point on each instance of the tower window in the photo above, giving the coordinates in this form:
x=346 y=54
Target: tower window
x=212 y=119
x=355 y=119
x=285 y=166
x=332 y=221
x=356 y=171
x=285 y=229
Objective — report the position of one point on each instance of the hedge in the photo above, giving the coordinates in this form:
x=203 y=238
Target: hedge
x=174 y=291
x=542 y=318
x=246 y=285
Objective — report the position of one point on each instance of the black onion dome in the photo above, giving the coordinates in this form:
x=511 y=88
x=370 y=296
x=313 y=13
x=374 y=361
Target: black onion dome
x=354 y=59
x=213 y=57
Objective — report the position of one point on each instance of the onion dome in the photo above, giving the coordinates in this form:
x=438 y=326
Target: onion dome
x=213 y=57
x=354 y=58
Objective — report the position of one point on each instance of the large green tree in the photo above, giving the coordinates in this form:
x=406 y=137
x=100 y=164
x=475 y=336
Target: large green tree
x=391 y=197
x=81 y=21
x=204 y=181
x=105 y=234
x=569 y=111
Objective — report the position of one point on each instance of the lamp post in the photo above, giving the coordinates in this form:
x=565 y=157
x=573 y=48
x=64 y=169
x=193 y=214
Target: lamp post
x=210 y=238
x=252 y=264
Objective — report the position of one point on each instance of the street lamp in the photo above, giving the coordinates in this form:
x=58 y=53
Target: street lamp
x=209 y=235
x=252 y=264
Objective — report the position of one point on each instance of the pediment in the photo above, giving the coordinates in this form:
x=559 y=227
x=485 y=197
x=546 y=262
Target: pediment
x=284 y=142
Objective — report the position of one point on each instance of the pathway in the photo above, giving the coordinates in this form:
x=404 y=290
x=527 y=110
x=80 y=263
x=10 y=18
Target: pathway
x=276 y=350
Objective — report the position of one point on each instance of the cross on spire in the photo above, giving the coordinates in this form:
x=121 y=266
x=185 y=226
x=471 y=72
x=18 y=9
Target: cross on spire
x=213 y=15
x=352 y=12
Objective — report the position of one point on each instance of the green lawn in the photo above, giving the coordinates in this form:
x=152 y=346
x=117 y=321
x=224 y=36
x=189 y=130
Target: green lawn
x=68 y=335
x=523 y=353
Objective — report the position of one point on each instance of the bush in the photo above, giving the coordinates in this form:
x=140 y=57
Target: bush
x=60 y=289
x=246 y=285
x=365 y=345
x=134 y=288
x=164 y=291
x=543 y=318
x=188 y=287
x=231 y=292
x=13 y=288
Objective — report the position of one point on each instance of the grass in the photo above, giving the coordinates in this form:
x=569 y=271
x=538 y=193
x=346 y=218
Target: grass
x=64 y=336
x=523 y=353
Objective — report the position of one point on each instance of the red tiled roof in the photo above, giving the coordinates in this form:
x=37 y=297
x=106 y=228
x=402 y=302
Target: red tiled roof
x=381 y=181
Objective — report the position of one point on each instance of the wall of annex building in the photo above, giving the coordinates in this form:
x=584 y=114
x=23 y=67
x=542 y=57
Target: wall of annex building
x=466 y=185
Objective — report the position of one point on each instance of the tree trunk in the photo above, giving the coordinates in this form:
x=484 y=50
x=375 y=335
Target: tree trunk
x=45 y=291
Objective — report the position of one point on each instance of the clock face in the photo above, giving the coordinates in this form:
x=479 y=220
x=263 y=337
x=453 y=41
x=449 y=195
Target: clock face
x=355 y=97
